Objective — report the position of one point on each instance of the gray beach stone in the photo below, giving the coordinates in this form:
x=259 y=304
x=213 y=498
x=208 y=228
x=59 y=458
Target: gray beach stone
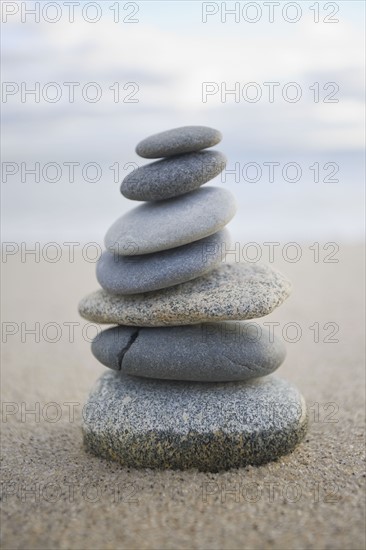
x=135 y=274
x=185 y=139
x=164 y=424
x=155 y=226
x=171 y=177
x=231 y=292
x=209 y=352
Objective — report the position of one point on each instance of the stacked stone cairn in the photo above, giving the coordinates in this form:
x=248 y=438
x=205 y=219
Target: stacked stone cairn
x=190 y=384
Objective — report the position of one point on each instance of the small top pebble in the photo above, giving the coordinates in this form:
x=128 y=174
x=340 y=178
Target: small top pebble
x=186 y=139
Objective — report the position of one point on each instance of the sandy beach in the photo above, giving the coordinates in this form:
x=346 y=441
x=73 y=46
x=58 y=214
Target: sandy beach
x=55 y=495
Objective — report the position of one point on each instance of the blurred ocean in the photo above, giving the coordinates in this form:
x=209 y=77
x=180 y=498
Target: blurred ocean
x=281 y=210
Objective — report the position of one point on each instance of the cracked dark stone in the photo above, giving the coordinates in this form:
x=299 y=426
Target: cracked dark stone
x=205 y=352
x=121 y=354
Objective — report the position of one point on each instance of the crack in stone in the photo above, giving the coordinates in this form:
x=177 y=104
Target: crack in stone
x=123 y=352
x=238 y=364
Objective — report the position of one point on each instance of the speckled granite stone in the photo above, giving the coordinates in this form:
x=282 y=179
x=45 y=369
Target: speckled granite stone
x=216 y=352
x=171 y=177
x=182 y=425
x=185 y=139
x=135 y=274
x=230 y=292
x=155 y=226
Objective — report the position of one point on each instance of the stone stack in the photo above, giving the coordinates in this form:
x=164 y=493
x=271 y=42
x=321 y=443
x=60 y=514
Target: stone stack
x=189 y=386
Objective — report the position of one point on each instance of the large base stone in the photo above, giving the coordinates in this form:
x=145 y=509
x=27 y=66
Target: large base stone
x=145 y=423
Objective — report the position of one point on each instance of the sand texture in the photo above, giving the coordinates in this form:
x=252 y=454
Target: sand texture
x=310 y=499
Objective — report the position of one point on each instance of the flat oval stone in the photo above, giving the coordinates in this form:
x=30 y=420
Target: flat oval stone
x=165 y=424
x=209 y=352
x=231 y=292
x=185 y=139
x=171 y=177
x=155 y=226
x=135 y=274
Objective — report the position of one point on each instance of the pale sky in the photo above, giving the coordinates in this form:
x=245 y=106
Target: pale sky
x=169 y=54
